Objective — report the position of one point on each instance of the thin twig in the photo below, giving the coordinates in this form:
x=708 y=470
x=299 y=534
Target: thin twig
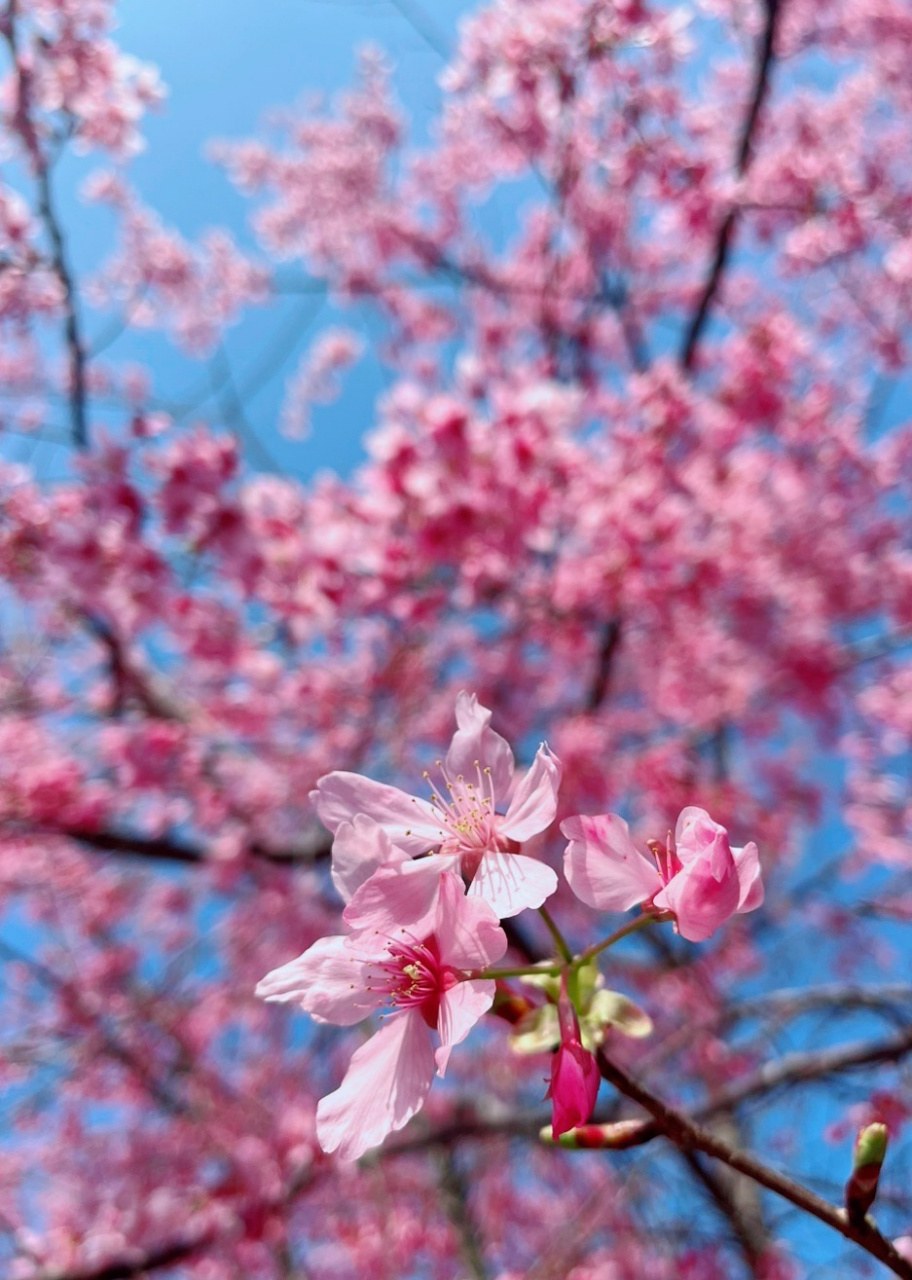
x=76 y=351
x=726 y=232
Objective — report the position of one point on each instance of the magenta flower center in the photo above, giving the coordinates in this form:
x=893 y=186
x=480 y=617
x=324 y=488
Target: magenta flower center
x=412 y=976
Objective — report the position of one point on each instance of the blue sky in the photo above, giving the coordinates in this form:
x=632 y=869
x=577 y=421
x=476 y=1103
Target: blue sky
x=226 y=68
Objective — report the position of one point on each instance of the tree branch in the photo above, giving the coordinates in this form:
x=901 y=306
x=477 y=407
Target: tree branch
x=168 y=849
x=139 y=1264
x=749 y=1235
x=726 y=232
x=688 y=1135
x=610 y=642
x=76 y=350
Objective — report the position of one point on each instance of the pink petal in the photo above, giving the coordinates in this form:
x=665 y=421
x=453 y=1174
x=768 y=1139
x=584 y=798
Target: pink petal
x=512 y=882
x=467 y=931
x=747 y=860
x=460 y=1008
x=359 y=849
x=534 y=803
x=400 y=896
x=603 y=866
x=327 y=981
x=476 y=744
x=409 y=822
x=386 y=1084
x=574 y=1087
x=698 y=836
x=700 y=901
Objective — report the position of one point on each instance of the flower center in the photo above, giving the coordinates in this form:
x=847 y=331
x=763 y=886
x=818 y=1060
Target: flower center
x=668 y=864
x=412 y=977
x=466 y=813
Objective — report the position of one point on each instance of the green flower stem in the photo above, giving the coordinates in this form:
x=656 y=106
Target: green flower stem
x=631 y=927
x=522 y=971
x=556 y=935
x=569 y=962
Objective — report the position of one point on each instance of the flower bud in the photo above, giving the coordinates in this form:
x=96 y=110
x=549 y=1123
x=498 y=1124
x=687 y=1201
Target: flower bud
x=618 y=1136
x=867 y=1161
x=574 y=1072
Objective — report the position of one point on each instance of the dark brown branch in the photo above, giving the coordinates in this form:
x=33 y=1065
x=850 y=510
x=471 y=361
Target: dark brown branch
x=749 y=1235
x=25 y=126
x=793 y=1069
x=610 y=641
x=128 y=683
x=139 y=1264
x=726 y=232
x=71 y=324
x=167 y=849
x=455 y=1194
x=797 y=1068
x=687 y=1135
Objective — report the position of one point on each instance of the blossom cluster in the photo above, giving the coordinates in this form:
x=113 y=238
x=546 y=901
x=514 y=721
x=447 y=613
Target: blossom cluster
x=427 y=883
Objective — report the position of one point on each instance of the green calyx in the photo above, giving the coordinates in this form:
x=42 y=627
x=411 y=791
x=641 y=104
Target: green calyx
x=597 y=1009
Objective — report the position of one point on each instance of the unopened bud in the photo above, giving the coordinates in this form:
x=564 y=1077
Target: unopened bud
x=606 y=1137
x=867 y=1161
x=870 y=1145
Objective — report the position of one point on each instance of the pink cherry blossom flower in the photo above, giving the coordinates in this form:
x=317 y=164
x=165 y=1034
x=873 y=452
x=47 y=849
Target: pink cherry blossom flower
x=698 y=876
x=574 y=1074
x=423 y=982
x=460 y=820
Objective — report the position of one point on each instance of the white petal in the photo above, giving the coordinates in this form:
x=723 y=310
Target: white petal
x=327 y=981
x=512 y=882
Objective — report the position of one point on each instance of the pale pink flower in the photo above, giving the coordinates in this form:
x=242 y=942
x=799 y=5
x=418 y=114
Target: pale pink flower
x=460 y=820
x=424 y=983
x=698 y=876
x=574 y=1073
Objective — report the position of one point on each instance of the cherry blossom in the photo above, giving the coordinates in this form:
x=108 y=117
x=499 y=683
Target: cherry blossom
x=426 y=985
x=461 y=818
x=697 y=876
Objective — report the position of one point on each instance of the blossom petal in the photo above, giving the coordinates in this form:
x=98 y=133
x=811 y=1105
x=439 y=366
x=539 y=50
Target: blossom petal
x=747 y=860
x=603 y=866
x=512 y=882
x=359 y=849
x=327 y=981
x=697 y=836
x=460 y=1008
x=701 y=900
x=534 y=803
x=400 y=896
x=574 y=1087
x=386 y=1084
x=476 y=744
x=467 y=931
x=409 y=822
